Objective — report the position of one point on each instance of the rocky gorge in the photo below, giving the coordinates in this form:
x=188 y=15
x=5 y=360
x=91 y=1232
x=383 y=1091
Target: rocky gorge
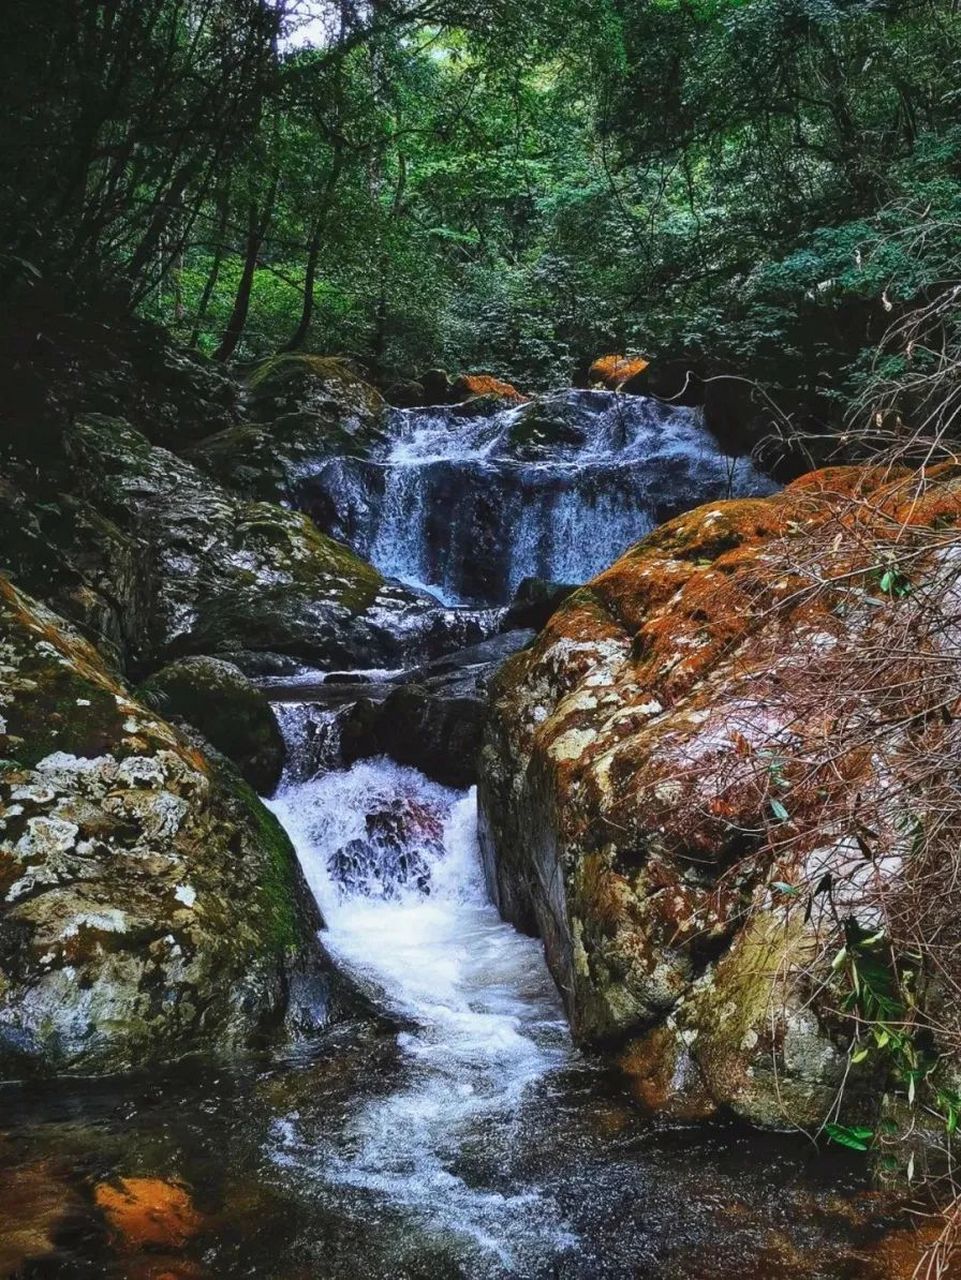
x=258 y=645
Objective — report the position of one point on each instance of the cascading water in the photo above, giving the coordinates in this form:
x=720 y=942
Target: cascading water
x=469 y=505
x=393 y=861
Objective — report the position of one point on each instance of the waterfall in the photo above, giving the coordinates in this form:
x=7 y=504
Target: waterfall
x=468 y=506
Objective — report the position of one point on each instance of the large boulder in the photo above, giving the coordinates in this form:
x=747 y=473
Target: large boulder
x=150 y=906
x=683 y=785
x=218 y=700
x=230 y=575
x=296 y=382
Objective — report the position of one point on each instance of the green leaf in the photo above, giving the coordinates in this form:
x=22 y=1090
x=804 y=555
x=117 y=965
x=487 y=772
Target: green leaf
x=860 y=1055
x=779 y=811
x=855 y=1137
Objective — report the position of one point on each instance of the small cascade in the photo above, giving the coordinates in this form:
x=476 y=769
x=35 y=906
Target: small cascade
x=469 y=505
x=394 y=863
x=311 y=735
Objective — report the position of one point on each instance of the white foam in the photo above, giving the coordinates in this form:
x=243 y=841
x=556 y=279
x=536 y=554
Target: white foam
x=486 y=1022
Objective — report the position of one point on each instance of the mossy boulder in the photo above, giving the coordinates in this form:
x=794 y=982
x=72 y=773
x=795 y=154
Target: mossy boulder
x=218 y=700
x=633 y=808
x=297 y=382
x=304 y=409
x=230 y=574
x=150 y=905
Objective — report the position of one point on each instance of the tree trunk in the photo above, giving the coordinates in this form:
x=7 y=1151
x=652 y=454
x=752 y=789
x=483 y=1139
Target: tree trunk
x=214 y=274
x=296 y=340
x=259 y=222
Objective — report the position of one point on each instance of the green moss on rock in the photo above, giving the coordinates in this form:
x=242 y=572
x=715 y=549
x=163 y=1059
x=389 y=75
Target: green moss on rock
x=151 y=906
x=221 y=703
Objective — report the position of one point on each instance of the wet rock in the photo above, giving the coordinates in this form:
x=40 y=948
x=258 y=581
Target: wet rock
x=305 y=409
x=403 y=838
x=272 y=462
x=232 y=714
x=62 y=549
x=434 y=721
x=325 y=385
x=231 y=574
x=630 y=811
x=150 y=905
x=535 y=600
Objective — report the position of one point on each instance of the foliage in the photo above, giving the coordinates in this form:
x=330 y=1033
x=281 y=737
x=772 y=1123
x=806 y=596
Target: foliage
x=747 y=185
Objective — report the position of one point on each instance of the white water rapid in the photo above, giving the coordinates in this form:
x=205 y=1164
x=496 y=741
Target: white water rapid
x=393 y=861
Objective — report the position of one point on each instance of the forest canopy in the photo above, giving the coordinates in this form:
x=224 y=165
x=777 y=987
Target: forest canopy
x=756 y=185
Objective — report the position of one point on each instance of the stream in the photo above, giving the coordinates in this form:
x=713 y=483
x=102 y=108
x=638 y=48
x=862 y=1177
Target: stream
x=458 y=1132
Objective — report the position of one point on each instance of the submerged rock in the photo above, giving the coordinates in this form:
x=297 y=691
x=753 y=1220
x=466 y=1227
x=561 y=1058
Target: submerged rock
x=636 y=814
x=233 y=715
x=403 y=838
x=150 y=905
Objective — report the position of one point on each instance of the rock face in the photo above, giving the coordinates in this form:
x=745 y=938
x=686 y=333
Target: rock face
x=637 y=813
x=222 y=574
x=149 y=904
x=232 y=714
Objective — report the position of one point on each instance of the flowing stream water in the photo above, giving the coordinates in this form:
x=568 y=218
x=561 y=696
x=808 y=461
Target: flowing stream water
x=483 y=1021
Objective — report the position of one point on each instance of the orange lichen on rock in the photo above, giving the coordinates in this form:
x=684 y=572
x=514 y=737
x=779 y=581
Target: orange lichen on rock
x=149 y=1211
x=469 y=385
x=670 y=752
x=613 y=372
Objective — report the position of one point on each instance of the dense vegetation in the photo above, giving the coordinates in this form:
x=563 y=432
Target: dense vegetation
x=757 y=186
